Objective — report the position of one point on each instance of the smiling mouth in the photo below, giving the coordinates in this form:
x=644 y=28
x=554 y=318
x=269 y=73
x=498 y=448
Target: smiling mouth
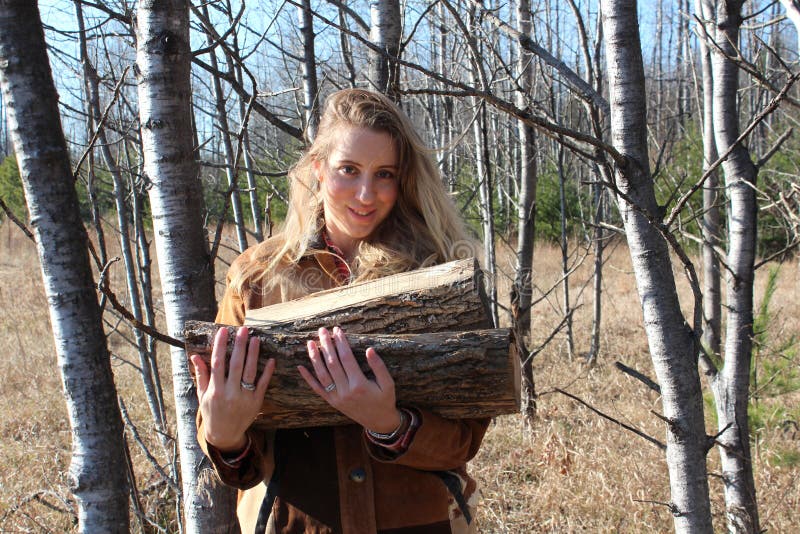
x=360 y=213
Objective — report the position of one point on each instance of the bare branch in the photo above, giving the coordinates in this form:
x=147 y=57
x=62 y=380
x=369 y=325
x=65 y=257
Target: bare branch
x=636 y=431
x=16 y=221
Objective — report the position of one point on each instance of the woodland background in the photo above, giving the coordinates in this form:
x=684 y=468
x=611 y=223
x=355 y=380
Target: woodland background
x=584 y=210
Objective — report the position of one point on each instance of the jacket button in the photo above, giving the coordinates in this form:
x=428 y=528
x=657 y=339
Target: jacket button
x=358 y=475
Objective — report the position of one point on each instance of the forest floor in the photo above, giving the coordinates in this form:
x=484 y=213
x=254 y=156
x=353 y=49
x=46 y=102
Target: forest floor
x=572 y=471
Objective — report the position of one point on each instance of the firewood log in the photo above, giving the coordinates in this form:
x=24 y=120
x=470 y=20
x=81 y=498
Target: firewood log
x=454 y=374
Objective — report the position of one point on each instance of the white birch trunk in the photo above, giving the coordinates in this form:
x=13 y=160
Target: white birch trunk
x=522 y=290
x=227 y=144
x=163 y=59
x=385 y=32
x=731 y=386
x=712 y=300
x=672 y=346
x=147 y=361
x=98 y=468
x=310 y=90
x=793 y=13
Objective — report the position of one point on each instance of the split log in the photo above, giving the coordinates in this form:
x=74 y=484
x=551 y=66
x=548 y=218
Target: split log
x=454 y=374
x=444 y=297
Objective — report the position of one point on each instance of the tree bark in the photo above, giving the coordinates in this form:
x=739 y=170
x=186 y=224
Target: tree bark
x=98 y=474
x=163 y=59
x=310 y=89
x=147 y=361
x=732 y=384
x=522 y=289
x=443 y=297
x=672 y=346
x=231 y=159
x=385 y=33
x=712 y=299
x=454 y=374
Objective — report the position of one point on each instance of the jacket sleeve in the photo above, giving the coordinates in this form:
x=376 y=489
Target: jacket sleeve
x=438 y=444
x=258 y=464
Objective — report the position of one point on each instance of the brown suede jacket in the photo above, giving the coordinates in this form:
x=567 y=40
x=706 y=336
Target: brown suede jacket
x=332 y=479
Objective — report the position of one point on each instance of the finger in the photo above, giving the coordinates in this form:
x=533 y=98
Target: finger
x=382 y=376
x=237 y=358
x=332 y=358
x=348 y=361
x=318 y=364
x=266 y=376
x=218 y=357
x=251 y=363
x=312 y=382
x=201 y=375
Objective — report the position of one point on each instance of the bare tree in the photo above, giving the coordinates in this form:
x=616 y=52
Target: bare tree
x=309 y=64
x=672 y=343
x=187 y=277
x=522 y=289
x=98 y=469
x=732 y=384
x=385 y=33
x=712 y=301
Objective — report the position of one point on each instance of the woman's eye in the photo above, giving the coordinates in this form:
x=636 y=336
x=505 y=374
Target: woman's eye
x=347 y=169
x=385 y=174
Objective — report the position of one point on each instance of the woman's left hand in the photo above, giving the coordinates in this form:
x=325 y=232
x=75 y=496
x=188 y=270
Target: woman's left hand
x=338 y=379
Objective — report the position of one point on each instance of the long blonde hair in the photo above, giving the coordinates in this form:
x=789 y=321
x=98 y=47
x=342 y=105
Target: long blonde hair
x=423 y=228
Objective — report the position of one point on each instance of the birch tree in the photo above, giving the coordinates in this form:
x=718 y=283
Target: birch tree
x=385 y=33
x=310 y=89
x=163 y=59
x=672 y=344
x=731 y=385
x=98 y=468
x=712 y=302
x=220 y=105
x=522 y=290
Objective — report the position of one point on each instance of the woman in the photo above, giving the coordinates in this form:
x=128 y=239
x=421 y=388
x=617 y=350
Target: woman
x=366 y=201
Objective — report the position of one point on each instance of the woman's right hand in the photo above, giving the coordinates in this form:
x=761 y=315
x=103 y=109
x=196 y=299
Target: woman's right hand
x=228 y=408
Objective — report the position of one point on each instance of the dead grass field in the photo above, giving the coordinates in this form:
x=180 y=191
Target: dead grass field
x=574 y=471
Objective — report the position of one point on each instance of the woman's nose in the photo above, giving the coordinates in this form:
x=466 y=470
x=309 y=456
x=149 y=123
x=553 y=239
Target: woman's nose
x=366 y=190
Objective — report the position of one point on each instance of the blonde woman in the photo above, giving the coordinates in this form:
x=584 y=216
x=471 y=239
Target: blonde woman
x=366 y=201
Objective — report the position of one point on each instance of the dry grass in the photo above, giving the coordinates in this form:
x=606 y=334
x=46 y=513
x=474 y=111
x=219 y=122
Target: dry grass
x=573 y=472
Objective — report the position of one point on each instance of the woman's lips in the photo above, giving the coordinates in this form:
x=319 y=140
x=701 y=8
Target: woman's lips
x=362 y=214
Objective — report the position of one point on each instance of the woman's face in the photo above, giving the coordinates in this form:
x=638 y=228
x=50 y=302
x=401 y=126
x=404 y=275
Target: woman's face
x=359 y=185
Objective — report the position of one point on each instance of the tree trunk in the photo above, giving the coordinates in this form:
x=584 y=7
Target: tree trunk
x=672 y=346
x=454 y=374
x=346 y=50
x=252 y=189
x=163 y=59
x=732 y=384
x=98 y=473
x=146 y=358
x=566 y=305
x=385 y=33
x=310 y=90
x=522 y=289
x=231 y=158
x=712 y=300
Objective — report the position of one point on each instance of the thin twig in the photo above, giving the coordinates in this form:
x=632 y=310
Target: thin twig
x=641 y=377
x=123 y=410
x=100 y=124
x=636 y=431
x=16 y=221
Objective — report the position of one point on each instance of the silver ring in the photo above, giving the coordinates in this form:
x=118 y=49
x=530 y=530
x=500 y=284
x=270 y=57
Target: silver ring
x=249 y=386
x=330 y=387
